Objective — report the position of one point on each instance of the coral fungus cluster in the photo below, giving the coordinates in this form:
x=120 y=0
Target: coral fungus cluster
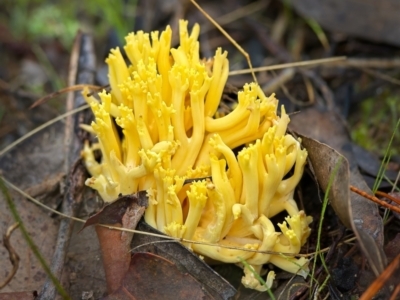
x=159 y=127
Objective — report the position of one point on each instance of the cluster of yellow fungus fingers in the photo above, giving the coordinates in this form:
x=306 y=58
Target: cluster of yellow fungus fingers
x=158 y=127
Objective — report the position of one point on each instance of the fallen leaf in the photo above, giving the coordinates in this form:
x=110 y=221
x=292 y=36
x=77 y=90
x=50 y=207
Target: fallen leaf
x=152 y=277
x=184 y=259
x=324 y=159
x=125 y=212
x=114 y=212
x=317 y=127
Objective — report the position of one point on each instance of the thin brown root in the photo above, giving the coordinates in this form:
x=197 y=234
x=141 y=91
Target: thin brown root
x=73 y=88
x=14 y=258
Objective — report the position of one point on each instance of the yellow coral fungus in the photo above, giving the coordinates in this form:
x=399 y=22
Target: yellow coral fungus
x=164 y=101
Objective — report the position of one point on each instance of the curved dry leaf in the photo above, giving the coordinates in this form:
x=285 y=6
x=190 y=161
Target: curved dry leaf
x=324 y=160
x=114 y=212
x=354 y=211
x=115 y=245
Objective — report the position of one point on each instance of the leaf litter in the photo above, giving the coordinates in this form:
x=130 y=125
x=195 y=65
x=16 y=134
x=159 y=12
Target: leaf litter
x=369 y=225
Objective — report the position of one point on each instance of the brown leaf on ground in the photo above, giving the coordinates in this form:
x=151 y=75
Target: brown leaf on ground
x=152 y=277
x=115 y=245
x=324 y=159
x=184 y=259
x=114 y=212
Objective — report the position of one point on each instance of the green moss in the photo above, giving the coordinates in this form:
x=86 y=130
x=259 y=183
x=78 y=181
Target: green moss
x=372 y=125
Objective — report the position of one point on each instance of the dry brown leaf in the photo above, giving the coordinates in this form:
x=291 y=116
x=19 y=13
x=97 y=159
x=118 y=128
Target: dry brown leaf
x=125 y=212
x=318 y=127
x=184 y=259
x=153 y=277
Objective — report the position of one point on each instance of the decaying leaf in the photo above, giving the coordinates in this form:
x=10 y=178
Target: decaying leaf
x=354 y=211
x=114 y=212
x=152 y=277
x=324 y=159
x=125 y=212
x=184 y=259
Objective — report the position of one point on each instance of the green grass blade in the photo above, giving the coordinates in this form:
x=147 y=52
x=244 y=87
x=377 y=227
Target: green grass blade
x=385 y=160
x=324 y=206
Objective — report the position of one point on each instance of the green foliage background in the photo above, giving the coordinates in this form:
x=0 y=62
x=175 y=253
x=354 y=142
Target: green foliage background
x=43 y=19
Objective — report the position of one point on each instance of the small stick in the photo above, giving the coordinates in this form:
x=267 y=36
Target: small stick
x=76 y=171
x=390 y=197
x=377 y=63
x=395 y=293
x=374 y=199
x=307 y=63
x=380 y=75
